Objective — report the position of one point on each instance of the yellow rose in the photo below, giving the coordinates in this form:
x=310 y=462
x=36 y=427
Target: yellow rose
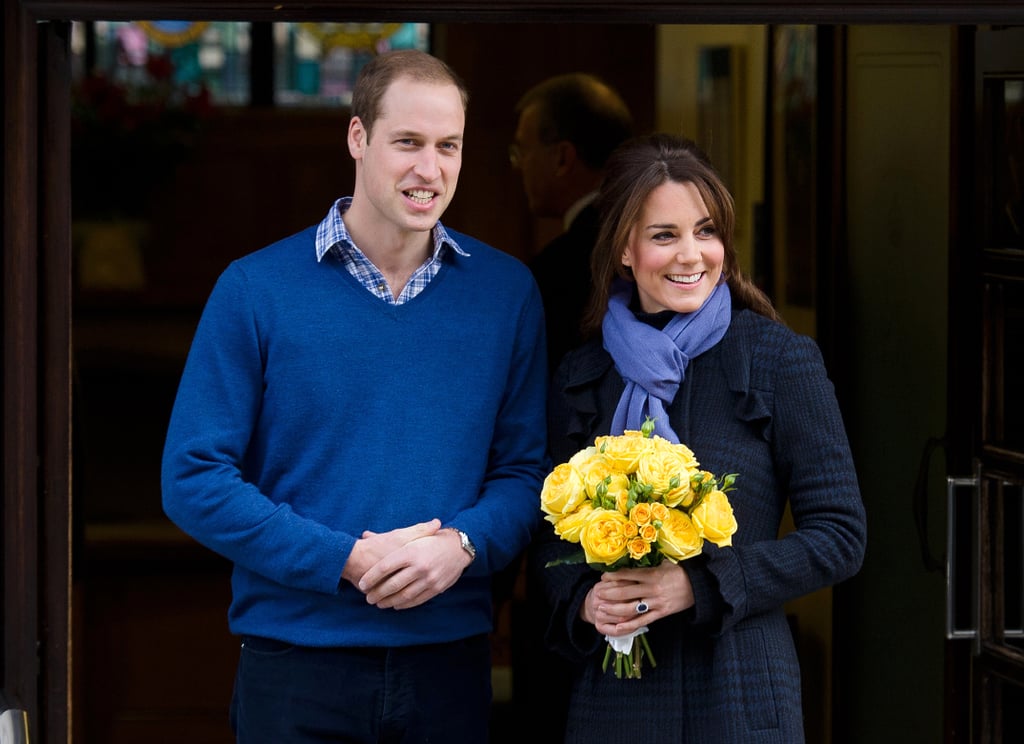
x=604 y=536
x=562 y=491
x=714 y=519
x=586 y=454
x=638 y=548
x=678 y=539
x=640 y=514
x=592 y=466
x=678 y=447
x=623 y=451
x=648 y=532
x=658 y=511
x=569 y=526
x=667 y=468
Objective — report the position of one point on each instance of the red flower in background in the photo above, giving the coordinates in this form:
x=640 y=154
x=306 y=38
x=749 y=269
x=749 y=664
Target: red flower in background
x=129 y=131
x=159 y=67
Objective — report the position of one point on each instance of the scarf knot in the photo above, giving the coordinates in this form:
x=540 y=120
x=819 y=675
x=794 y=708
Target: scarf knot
x=653 y=362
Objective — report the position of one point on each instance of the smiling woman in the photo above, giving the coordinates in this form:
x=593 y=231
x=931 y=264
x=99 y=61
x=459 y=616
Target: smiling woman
x=675 y=252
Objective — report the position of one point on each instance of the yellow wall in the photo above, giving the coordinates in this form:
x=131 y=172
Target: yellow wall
x=898 y=104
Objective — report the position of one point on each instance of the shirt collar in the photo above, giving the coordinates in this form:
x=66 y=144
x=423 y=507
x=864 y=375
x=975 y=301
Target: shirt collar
x=572 y=212
x=331 y=231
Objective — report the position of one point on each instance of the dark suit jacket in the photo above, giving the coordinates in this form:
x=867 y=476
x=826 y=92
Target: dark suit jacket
x=562 y=271
x=758 y=404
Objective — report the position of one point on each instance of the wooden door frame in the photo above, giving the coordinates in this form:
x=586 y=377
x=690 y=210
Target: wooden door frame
x=993 y=662
x=36 y=392
x=37 y=248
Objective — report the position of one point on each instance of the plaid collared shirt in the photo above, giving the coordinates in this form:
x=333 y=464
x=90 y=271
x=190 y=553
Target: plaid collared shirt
x=332 y=237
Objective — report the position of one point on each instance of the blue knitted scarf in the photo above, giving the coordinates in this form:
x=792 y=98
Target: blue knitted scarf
x=653 y=362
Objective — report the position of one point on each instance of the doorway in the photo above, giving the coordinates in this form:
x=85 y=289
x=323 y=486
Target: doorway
x=985 y=558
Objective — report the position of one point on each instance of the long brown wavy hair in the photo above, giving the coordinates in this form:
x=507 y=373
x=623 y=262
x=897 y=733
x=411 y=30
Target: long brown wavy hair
x=634 y=170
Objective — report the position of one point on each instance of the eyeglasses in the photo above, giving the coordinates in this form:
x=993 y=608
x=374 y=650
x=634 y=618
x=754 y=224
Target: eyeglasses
x=515 y=151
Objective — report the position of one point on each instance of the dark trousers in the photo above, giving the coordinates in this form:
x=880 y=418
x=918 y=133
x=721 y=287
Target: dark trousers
x=412 y=695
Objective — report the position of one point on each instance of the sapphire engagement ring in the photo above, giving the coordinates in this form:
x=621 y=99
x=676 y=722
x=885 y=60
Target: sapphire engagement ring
x=642 y=607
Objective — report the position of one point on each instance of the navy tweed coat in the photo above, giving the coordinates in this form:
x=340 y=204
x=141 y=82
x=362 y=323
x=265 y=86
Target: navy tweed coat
x=758 y=404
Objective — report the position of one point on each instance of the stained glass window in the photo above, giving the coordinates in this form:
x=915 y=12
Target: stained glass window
x=317 y=63
x=314 y=64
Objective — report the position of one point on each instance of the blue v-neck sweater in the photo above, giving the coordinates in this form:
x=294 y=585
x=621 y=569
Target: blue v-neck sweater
x=309 y=411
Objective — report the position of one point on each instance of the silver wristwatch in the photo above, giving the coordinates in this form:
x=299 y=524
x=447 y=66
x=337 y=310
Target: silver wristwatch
x=467 y=544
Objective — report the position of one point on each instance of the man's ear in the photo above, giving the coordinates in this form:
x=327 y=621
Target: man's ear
x=357 y=137
x=567 y=156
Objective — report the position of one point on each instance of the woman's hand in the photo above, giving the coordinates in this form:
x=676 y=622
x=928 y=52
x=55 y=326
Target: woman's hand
x=611 y=605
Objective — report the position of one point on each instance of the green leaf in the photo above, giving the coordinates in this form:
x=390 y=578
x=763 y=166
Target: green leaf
x=571 y=559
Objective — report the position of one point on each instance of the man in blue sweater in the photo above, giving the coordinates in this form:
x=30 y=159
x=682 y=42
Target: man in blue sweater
x=360 y=429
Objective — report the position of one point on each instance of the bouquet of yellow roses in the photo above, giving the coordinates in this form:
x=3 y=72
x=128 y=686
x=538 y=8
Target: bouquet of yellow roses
x=634 y=500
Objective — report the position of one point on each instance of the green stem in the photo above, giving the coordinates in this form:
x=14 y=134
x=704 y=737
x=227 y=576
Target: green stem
x=647 y=649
